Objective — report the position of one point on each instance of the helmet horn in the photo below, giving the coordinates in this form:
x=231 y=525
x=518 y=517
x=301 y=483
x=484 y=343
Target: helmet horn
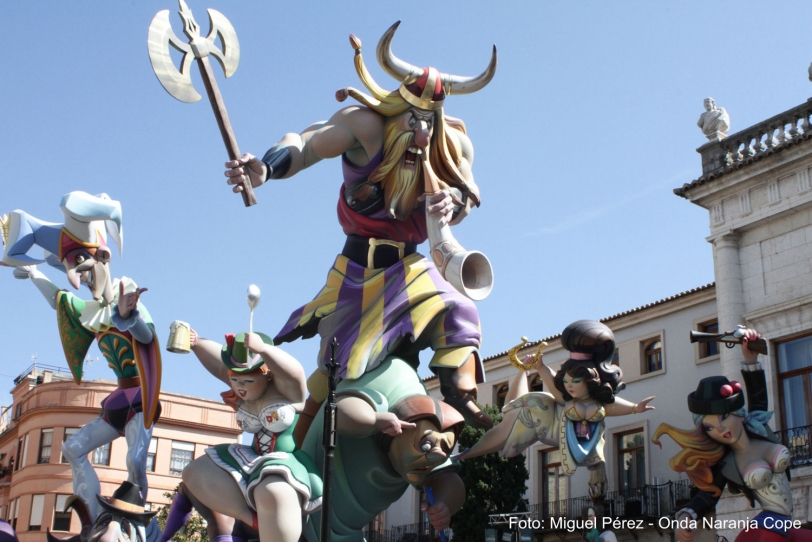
x=403 y=71
x=468 y=85
x=389 y=62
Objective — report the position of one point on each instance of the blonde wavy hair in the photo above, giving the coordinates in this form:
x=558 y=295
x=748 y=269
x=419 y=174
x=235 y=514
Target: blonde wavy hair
x=698 y=455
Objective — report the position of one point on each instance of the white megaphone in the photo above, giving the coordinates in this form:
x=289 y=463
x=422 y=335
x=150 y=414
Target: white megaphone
x=469 y=271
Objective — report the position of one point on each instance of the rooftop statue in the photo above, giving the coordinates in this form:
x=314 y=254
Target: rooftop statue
x=714 y=122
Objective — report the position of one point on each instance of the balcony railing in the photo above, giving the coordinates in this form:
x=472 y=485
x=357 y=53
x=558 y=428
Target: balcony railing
x=798 y=441
x=758 y=140
x=650 y=501
x=647 y=501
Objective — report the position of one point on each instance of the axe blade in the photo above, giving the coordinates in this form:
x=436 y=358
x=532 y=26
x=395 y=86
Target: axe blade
x=176 y=82
x=229 y=57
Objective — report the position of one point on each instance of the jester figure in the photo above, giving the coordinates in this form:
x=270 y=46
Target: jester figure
x=382 y=298
x=114 y=318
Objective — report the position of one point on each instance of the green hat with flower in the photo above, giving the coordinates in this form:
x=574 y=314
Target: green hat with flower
x=235 y=355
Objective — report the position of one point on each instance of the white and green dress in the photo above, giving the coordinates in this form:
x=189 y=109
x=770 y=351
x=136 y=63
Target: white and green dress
x=272 y=452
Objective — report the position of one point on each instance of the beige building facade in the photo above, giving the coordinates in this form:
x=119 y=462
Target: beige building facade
x=48 y=406
x=657 y=358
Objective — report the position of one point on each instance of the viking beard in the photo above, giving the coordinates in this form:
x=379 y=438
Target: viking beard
x=400 y=185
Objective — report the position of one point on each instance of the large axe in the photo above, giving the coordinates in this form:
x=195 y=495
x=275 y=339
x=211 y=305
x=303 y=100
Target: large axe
x=178 y=83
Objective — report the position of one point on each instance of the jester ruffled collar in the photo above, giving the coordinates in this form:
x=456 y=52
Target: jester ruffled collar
x=97 y=316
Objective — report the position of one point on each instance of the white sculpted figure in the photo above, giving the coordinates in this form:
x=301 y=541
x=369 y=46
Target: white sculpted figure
x=714 y=122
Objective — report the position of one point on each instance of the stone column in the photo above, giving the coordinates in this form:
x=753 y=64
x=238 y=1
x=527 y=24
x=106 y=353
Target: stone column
x=729 y=295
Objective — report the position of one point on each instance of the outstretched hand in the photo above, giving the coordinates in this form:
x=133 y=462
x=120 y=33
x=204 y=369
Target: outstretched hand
x=248 y=165
x=128 y=302
x=643 y=406
x=387 y=422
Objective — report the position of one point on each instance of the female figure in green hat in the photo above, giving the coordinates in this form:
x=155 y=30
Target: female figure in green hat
x=270 y=483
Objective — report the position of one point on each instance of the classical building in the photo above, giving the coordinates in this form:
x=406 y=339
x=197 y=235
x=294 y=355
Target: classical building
x=48 y=407
x=757 y=189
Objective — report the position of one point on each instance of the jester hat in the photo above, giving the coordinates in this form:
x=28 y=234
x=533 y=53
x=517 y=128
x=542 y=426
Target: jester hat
x=234 y=354
x=88 y=221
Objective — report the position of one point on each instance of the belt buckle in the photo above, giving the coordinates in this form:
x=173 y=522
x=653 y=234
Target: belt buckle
x=375 y=243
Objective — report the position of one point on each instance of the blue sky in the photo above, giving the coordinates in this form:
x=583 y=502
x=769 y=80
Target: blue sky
x=580 y=138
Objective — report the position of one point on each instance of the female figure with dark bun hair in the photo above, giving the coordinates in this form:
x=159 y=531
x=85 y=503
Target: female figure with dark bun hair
x=582 y=394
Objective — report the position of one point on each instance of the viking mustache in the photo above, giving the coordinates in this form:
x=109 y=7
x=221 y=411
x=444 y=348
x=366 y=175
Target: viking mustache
x=399 y=185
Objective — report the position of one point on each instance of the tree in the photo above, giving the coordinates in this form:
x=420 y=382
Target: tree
x=493 y=485
x=195 y=529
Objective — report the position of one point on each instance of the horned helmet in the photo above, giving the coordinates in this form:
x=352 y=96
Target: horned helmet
x=424 y=88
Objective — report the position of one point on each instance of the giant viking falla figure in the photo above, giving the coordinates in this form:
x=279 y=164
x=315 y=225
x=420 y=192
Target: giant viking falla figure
x=382 y=298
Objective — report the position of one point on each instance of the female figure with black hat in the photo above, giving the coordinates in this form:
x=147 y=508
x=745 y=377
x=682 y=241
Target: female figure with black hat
x=268 y=484
x=734 y=445
x=570 y=416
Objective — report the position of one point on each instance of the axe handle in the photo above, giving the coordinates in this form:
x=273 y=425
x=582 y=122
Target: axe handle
x=220 y=113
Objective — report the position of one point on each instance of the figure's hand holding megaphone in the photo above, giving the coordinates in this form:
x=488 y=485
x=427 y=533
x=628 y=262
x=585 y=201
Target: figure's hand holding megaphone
x=469 y=272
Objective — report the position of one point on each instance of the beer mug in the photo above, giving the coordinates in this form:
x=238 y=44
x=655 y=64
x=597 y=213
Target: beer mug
x=179 y=337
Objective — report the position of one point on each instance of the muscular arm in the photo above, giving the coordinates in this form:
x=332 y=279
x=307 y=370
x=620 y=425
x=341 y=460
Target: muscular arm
x=357 y=418
x=356 y=131
x=466 y=162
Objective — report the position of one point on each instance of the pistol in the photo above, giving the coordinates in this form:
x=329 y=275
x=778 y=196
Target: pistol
x=730 y=338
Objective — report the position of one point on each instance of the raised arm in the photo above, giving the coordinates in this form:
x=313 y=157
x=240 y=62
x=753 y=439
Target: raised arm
x=356 y=131
x=288 y=374
x=548 y=377
x=47 y=288
x=208 y=352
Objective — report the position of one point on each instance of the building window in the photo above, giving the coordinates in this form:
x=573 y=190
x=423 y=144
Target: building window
x=501 y=395
x=182 y=454
x=707 y=350
x=553 y=486
x=46 y=438
x=19 y=454
x=101 y=455
x=25 y=451
x=153 y=448
x=631 y=453
x=536 y=383
x=35 y=520
x=14 y=512
x=61 y=516
x=653 y=356
x=795 y=381
x=69 y=432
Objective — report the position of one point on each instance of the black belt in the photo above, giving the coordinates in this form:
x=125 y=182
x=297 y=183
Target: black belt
x=376 y=253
